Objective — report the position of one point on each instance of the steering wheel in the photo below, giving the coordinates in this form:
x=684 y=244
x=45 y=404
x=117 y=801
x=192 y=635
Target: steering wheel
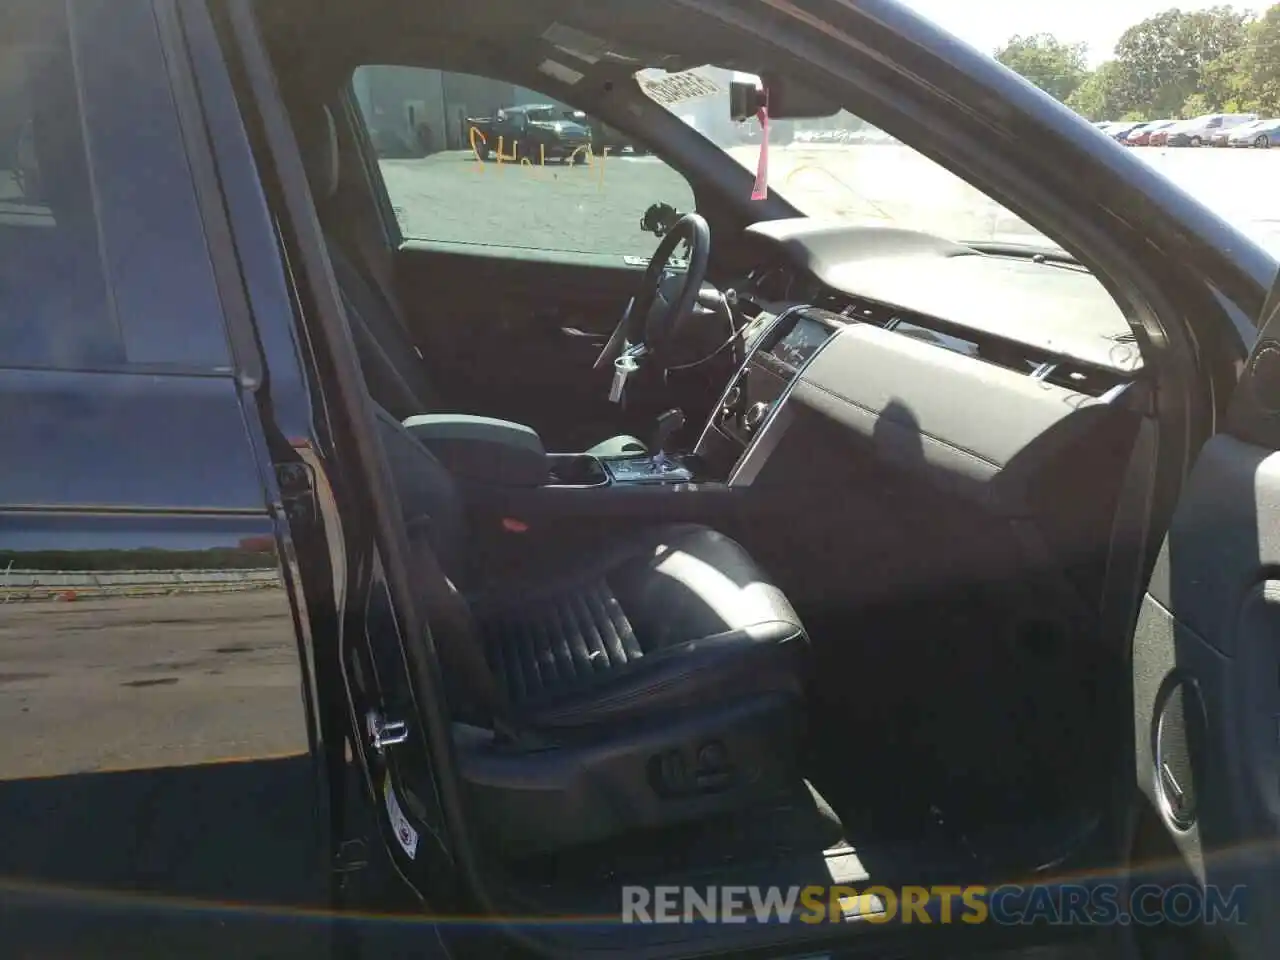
x=665 y=297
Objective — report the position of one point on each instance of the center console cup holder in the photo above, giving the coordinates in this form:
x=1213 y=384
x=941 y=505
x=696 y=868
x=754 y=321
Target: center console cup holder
x=575 y=470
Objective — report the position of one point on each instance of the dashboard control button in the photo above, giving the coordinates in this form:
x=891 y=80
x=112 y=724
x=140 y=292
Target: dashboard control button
x=756 y=416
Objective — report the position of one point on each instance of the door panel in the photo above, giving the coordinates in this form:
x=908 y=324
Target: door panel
x=160 y=794
x=158 y=744
x=1206 y=675
x=516 y=338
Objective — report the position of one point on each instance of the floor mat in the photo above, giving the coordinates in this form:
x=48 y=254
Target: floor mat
x=797 y=821
x=887 y=811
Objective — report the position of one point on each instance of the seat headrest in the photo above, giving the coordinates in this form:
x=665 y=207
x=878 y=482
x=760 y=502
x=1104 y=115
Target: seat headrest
x=318 y=140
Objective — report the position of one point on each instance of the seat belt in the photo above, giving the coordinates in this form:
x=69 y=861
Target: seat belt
x=1124 y=583
x=457 y=647
x=362 y=266
x=357 y=265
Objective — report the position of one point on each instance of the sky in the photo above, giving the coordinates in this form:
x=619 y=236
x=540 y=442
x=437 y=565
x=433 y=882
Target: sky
x=987 y=24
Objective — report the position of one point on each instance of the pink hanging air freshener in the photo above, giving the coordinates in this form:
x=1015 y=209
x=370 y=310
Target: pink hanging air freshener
x=761 y=189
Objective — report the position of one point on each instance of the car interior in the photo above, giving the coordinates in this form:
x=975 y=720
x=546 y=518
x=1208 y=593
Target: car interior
x=827 y=607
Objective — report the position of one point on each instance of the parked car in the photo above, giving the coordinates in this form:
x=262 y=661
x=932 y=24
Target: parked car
x=534 y=132
x=344 y=615
x=1259 y=133
x=1200 y=130
x=1141 y=136
x=1120 y=131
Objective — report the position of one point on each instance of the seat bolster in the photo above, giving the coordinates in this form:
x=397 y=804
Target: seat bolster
x=538 y=584
x=759 y=659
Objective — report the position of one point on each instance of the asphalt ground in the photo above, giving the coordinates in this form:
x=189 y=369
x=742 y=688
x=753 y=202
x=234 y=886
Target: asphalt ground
x=596 y=208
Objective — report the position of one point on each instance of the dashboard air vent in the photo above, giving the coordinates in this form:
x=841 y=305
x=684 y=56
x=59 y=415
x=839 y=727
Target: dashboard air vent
x=1081 y=379
x=857 y=310
x=774 y=284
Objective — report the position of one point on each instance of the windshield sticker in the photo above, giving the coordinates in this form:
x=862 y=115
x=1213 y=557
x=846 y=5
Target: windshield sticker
x=558 y=70
x=677 y=88
x=405 y=834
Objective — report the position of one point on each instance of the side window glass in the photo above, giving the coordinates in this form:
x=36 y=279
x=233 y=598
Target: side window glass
x=103 y=257
x=470 y=160
x=55 y=308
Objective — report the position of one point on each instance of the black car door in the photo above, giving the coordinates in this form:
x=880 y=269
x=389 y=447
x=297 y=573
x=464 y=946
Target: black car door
x=1206 y=685
x=162 y=791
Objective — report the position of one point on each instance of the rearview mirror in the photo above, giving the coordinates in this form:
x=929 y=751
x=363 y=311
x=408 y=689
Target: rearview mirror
x=786 y=99
x=745 y=99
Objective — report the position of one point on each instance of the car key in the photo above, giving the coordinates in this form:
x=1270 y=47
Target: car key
x=623 y=367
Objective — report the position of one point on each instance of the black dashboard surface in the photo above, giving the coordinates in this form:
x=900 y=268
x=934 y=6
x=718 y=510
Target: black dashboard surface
x=1048 y=306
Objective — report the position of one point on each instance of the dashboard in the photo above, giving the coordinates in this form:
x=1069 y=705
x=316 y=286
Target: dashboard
x=987 y=305
x=981 y=354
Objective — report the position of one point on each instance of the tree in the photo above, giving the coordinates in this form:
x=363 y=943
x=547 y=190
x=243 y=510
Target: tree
x=1167 y=58
x=1102 y=95
x=1055 y=67
x=1257 y=66
x=1173 y=64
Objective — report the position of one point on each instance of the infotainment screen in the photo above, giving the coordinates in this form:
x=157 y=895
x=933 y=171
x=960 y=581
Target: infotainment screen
x=801 y=342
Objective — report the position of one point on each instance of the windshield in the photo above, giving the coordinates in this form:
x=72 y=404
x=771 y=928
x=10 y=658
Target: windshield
x=840 y=168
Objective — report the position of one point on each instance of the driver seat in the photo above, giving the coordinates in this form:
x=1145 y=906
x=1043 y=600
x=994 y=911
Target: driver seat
x=393 y=366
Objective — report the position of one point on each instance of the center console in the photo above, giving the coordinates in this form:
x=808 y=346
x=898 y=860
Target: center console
x=503 y=459
x=583 y=470
x=738 y=426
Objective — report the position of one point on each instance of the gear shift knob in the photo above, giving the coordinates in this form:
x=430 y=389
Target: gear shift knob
x=668 y=425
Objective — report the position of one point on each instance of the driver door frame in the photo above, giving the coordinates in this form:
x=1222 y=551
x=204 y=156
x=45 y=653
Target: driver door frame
x=1206 y=680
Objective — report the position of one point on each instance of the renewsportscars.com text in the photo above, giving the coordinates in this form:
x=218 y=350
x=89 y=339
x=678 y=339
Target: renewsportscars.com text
x=1009 y=905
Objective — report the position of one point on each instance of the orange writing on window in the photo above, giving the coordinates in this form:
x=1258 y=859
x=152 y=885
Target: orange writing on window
x=477 y=134
x=513 y=157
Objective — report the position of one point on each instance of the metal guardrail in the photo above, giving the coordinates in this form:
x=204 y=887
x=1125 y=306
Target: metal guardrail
x=18 y=585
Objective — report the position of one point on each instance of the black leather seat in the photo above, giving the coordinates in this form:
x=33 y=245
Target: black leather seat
x=671 y=618
x=393 y=367
x=656 y=679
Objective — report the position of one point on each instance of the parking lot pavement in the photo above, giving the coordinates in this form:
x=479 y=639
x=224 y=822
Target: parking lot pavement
x=597 y=208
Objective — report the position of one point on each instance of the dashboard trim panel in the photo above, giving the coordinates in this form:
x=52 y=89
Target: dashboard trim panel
x=742 y=368
x=765 y=441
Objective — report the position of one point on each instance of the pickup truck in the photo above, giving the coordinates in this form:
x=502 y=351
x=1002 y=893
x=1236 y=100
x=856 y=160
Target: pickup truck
x=536 y=132
x=605 y=137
